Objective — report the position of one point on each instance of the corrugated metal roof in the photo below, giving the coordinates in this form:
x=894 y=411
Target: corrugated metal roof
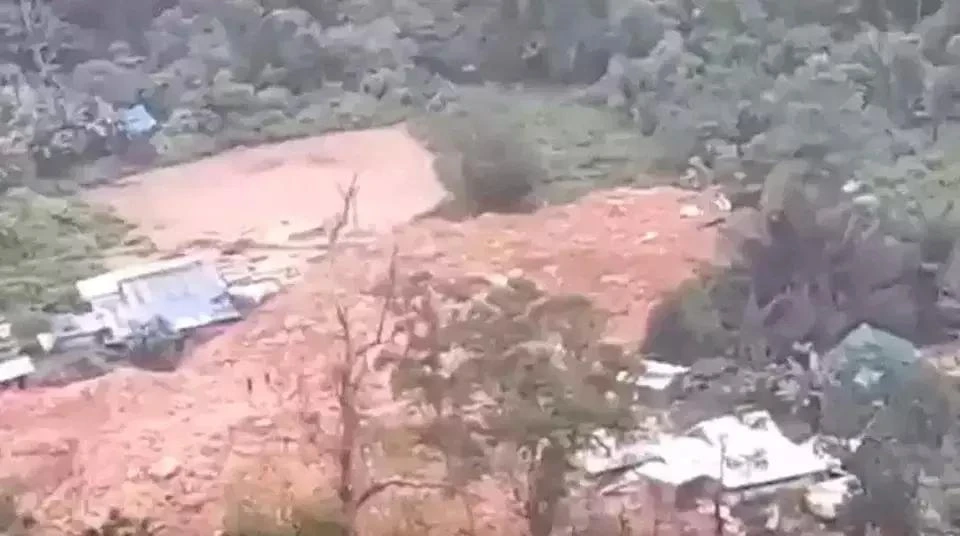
x=187 y=292
x=755 y=451
x=109 y=282
x=17 y=367
x=185 y=313
x=75 y=324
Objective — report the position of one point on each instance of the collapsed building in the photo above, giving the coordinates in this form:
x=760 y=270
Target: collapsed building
x=141 y=314
x=737 y=455
x=748 y=453
x=186 y=292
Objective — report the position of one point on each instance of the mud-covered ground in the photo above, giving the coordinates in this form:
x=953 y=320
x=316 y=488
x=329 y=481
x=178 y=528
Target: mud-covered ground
x=837 y=118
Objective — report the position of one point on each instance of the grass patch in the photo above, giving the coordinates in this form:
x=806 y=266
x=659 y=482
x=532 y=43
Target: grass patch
x=46 y=244
x=581 y=148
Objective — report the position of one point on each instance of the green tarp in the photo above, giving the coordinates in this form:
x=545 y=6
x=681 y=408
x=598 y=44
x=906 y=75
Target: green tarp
x=871 y=363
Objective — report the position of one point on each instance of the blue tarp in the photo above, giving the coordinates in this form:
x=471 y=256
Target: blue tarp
x=137 y=120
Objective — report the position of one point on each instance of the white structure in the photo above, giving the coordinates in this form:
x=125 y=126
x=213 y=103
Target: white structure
x=660 y=382
x=13 y=364
x=16 y=368
x=740 y=454
x=187 y=292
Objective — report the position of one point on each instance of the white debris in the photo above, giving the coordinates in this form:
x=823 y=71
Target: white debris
x=47 y=341
x=753 y=449
x=852 y=186
x=867 y=201
x=255 y=293
x=18 y=367
x=825 y=499
x=690 y=211
x=722 y=203
x=659 y=382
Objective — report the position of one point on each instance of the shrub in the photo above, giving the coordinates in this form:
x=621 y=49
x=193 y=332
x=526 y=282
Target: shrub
x=497 y=169
x=247 y=522
x=13 y=520
x=486 y=164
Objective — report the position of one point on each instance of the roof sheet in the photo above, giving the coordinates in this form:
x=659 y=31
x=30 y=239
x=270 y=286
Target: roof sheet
x=17 y=367
x=109 y=282
x=754 y=449
x=187 y=292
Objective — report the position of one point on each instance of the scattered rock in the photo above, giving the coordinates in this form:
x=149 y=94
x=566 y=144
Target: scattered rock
x=295 y=322
x=164 y=469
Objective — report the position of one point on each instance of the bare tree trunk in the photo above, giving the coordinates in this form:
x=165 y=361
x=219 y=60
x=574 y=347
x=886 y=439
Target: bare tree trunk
x=351 y=372
x=349 y=425
x=545 y=488
x=465 y=498
x=718 y=494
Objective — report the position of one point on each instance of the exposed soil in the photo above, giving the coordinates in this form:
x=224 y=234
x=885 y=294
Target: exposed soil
x=251 y=192
x=184 y=446
x=262 y=213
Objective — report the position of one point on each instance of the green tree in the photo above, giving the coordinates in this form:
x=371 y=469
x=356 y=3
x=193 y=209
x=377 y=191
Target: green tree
x=506 y=368
x=904 y=453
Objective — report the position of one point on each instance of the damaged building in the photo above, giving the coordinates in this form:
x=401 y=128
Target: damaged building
x=144 y=312
x=186 y=292
x=745 y=456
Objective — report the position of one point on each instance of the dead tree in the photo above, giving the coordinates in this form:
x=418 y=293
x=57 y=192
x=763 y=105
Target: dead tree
x=350 y=374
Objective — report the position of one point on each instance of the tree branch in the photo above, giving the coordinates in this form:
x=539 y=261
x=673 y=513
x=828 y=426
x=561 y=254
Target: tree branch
x=385 y=306
x=391 y=294
x=348 y=197
x=378 y=487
